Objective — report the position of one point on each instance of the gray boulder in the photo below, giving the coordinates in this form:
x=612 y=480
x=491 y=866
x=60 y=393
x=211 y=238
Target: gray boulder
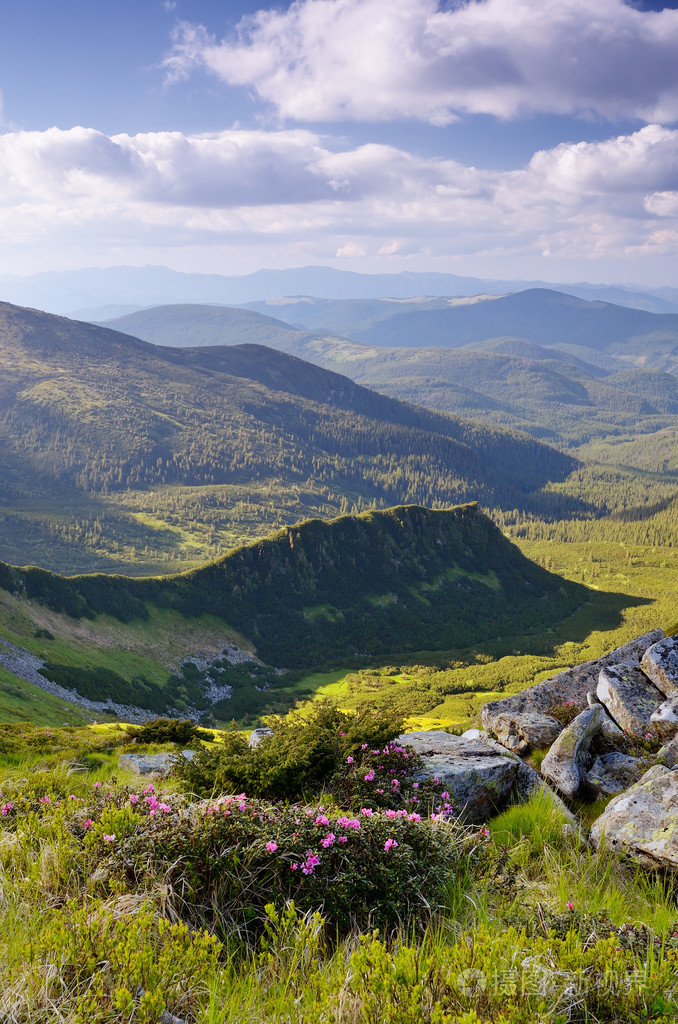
x=571 y=685
x=613 y=773
x=529 y=730
x=480 y=775
x=257 y=735
x=668 y=754
x=643 y=821
x=629 y=696
x=151 y=764
x=665 y=719
x=566 y=763
x=660 y=664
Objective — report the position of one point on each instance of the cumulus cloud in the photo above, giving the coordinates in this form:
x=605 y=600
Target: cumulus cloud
x=381 y=60
x=290 y=192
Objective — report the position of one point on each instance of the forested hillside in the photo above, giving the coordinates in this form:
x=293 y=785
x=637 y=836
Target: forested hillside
x=404 y=579
x=114 y=452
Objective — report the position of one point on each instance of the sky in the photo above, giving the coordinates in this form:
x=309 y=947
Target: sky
x=496 y=138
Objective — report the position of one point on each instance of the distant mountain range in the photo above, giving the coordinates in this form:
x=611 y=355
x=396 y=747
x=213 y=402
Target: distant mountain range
x=564 y=369
x=117 y=453
x=89 y=294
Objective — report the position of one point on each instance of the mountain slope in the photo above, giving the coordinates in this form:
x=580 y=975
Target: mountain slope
x=404 y=579
x=153 y=448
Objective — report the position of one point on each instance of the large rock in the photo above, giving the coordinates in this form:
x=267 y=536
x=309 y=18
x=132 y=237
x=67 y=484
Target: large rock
x=479 y=774
x=151 y=764
x=566 y=764
x=643 y=821
x=531 y=730
x=660 y=664
x=668 y=754
x=613 y=773
x=571 y=685
x=629 y=696
x=664 y=720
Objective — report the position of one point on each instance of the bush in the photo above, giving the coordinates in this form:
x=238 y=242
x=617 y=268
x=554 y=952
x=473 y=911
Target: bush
x=297 y=760
x=230 y=859
x=169 y=730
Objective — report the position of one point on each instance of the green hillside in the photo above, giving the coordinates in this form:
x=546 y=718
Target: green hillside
x=387 y=582
x=117 y=454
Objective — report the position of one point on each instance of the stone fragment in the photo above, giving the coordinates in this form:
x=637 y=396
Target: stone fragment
x=665 y=719
x=660 y=664
x=668 y=754
x=471 y=734
x=571 y=685
x=629 y=696
x=531 y=730
x=257 y=735
x=613 y=773
x=480 y=775
x=643 y=821
x=567 y=761
x=151 y=764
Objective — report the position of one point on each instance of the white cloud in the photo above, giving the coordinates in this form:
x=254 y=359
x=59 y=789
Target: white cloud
x=379 y=60
x=288 y=197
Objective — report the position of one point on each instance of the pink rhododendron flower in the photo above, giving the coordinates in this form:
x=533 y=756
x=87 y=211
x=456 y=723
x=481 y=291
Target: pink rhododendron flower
x=271 y=846
x=349 y=760
x=89 y=823
x=366 y=811
x=108 y=838
x=312 y=861
x=322 y=819
x=369 y=777
x=96 y=785
x=133 y=798
x=4 y=810
x=342 y=839
x=293 y=867
x=414 y=817
x=390 y=844
x=328 y=840
x=45 y=800
x=570 y=905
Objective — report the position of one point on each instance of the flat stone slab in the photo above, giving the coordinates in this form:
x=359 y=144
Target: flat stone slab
x=660 y=664
x=479 y=774
x=151 y=764
x=613 y=773
x=629 y=696
x=565 y=765
x=570 y=685
x=643 y=821
x=665 y=719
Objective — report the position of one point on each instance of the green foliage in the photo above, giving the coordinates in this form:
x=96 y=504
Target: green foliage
x=169 y=730
x=297 y=760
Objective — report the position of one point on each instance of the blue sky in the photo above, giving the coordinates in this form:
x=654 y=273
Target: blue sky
x=511 y=138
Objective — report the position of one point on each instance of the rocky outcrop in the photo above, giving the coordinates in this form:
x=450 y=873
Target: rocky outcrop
x=257 y=735
x=479 y=775
x=629 y=696
x=668 y=754
x=613 y=773
x=571 y=685
x=565 y=766
x=643 y=821
x=660 y=664
x=530 y=730
x=664 y=720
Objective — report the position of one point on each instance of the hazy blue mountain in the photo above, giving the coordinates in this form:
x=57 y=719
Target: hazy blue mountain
x=91 y=288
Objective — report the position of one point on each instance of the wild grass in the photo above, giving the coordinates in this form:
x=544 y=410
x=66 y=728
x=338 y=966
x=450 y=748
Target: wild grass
x=533 y=926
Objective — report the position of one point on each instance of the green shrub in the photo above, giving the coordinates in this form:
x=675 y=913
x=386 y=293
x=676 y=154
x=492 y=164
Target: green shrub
x=169 y=730
x=226 y=861
x=298 y=759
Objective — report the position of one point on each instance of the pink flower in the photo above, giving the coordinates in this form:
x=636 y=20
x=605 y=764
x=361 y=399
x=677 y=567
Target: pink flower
x=363 y=746
x=366 y=811
x=6 y=808
x=369 y=777
x=293 y=867
x=45 y=800
x=445 y=795
x=149 y=788
x=271 y=846
x=133 y=798
x=414 y=817
x=395 y=783
x=96 y=785
x=108 y=838
x=322 y=819
x=89 y=823
x=570 y=905
x=390 y=814
x=312 y=861
x=342 y=839
x=242 y=807
x=415 y=785
x=390 y=844
x=349 y=760
x=328 y=840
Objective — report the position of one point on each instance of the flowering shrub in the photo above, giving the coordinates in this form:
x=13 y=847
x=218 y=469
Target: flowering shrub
x=564 y=713
x=296 y=761
x=231 y=858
